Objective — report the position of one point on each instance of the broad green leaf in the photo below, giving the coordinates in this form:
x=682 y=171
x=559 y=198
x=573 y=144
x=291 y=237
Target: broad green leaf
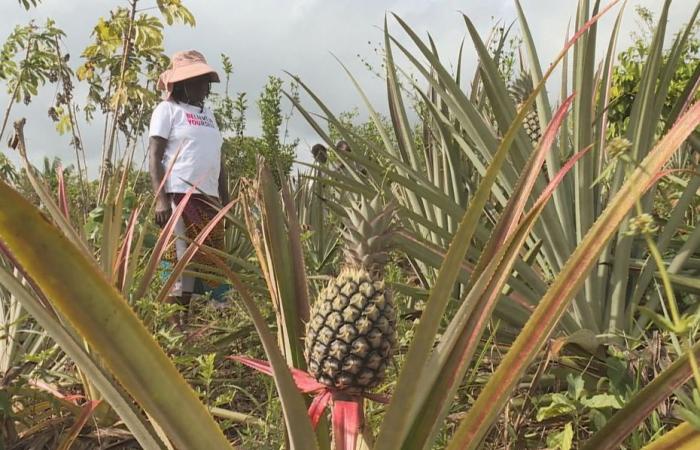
x=560 y=406
x=575 y=387
x=563 y=440
x=599 y=401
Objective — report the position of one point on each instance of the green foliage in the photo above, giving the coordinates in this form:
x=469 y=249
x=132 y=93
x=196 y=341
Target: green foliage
x=366 y=131
x=175 y=11
x=627 y=74
x=562 y=440
x=447 y=142
x=240 y=154
x=230 y=113
x=269 y=104
x=8 y=173
x=278 y=154
x=28 y=59
x=577 y=404
x=132 y=86
x=29 y=3
x=241 y=151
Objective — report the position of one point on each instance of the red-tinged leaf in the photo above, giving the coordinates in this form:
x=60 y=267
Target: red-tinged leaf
x=62 y=197
x=156 y=257
x=346 y=418
x=305 y=382
x=257 y=364
x=80 y=291
x=318 y=405
x=455 y=351
x=162 y=244
x=122 y=262
x=73 y=398
x=516 y=204
x=553 y=304
x=665 y=173
x=70 y=402
x=161 y=186
x=46 y=197
x=408 y=242
x=86 y=412
x=404 y=407
x=565 y=169
x=44 y=386
x=589 y=24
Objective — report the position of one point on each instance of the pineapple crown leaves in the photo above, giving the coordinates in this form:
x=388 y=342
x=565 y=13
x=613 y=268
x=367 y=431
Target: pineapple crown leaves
x=367 y=233
x=522 y=87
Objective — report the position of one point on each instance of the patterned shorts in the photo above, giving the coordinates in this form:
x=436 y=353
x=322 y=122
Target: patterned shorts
x=196 y=215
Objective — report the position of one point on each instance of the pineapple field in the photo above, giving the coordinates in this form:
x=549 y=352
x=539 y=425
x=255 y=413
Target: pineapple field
x=495 y=253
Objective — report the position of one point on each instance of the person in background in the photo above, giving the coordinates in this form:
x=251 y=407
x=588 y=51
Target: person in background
x=184 y=137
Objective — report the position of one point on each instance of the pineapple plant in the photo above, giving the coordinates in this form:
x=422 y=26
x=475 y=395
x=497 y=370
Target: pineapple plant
x=520 y=90
x=350 y=336
x=351 y=333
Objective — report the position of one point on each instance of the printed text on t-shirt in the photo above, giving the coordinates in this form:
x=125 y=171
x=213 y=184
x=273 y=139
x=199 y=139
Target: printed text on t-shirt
x=200 y=120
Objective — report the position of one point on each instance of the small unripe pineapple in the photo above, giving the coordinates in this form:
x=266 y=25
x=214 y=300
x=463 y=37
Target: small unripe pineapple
x=520 y=91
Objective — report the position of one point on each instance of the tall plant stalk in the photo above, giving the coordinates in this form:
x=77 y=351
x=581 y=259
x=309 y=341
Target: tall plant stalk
x=108 y=149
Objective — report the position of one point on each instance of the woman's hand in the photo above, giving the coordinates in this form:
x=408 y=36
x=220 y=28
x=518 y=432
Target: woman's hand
x=163 y=212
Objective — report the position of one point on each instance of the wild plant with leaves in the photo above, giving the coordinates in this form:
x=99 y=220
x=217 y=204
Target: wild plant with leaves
x=240 y=150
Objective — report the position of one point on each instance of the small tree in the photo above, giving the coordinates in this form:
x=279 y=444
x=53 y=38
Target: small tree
x=241 y=151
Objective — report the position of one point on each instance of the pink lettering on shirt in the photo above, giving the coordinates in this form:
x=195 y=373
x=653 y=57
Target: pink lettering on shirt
x=199 y=120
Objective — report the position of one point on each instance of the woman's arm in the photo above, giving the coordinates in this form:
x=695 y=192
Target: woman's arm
x=156 y=150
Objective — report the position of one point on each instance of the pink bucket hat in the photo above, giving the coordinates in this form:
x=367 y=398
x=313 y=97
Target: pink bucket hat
x=185 y=65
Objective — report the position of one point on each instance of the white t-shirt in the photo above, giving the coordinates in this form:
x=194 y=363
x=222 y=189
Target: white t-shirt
x=195 y=134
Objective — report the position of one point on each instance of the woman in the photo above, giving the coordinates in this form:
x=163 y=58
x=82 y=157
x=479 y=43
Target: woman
x=183 y=134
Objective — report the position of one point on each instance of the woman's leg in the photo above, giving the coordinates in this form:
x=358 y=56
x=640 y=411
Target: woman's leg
x=181 y=293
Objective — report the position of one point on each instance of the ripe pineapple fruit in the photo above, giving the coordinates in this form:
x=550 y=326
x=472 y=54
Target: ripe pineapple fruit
x=520 y=90
x=351 y=333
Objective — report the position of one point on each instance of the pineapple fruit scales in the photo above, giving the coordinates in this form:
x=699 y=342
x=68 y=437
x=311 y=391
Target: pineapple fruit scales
x=520 y=91
x=351 y=333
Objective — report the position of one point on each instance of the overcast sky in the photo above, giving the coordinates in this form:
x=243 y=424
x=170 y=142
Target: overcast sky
x=268 y=37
